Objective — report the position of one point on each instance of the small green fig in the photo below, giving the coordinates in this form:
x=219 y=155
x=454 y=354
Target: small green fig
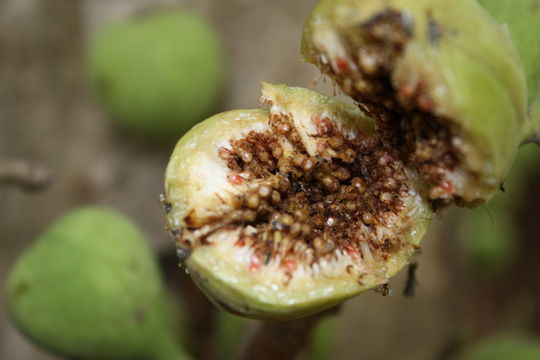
x=441 y=79
x=285 y=212
x=159 y=74
x=89 y=288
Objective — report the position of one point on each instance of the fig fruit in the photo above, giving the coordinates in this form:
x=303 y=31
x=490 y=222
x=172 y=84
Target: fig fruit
x=441 y=79
x=158 y=74
x=90 y=288
x=284 y=212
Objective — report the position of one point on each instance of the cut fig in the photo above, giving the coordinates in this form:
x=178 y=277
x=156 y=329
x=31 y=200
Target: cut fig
x=284 y=212
x=441 y=80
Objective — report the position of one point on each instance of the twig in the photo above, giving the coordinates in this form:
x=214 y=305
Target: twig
x=283 y=340
x=24 y=175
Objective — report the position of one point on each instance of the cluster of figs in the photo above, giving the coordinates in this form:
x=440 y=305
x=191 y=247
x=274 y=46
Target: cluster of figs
x=292 y=208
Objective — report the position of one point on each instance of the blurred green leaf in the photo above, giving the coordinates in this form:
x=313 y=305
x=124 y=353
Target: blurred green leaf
x=509 y=346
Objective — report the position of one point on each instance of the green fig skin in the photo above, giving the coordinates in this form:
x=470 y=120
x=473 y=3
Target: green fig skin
x=159 y=74
x=453 y=62
x=90 y=288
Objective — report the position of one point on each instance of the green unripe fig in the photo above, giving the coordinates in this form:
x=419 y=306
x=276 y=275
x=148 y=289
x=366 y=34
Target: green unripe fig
x=441 y=79
x=90 y=288
x=159 y=74
x=515 y=346
x=285 y=212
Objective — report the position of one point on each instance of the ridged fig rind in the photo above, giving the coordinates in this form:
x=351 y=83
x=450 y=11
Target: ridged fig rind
x=198 y=196
x=453 y=62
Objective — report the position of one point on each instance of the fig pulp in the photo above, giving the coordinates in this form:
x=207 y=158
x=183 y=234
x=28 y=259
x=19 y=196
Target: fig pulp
x=284 y=212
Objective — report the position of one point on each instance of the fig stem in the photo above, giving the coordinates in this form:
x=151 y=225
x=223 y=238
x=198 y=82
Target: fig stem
x=285 y=339
x=22 y=174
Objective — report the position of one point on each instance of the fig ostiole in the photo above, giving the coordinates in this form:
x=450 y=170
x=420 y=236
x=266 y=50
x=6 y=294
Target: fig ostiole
x=441 y=79
x=285 y=211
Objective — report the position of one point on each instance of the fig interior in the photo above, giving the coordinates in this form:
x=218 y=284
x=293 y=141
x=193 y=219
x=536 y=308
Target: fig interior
x=348 y=199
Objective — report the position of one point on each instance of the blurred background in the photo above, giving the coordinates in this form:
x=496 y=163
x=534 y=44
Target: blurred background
x=477 y=273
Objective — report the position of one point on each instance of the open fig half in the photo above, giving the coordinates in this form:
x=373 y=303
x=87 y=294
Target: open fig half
x=285 y=211
x=441 y=79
